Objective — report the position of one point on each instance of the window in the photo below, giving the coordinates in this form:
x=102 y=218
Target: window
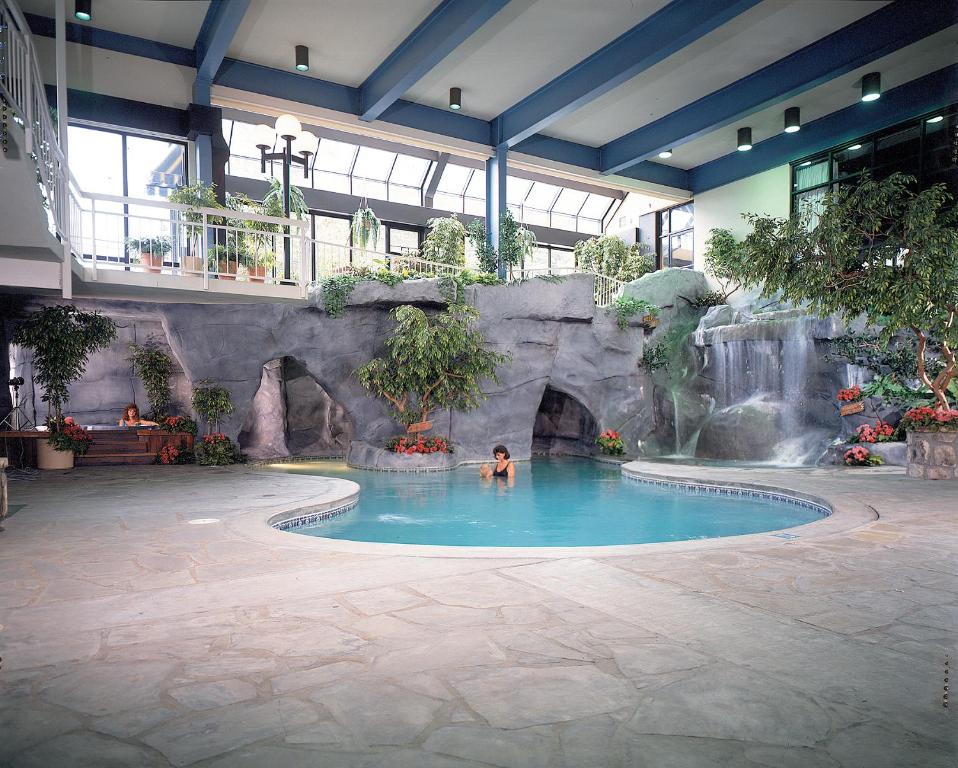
x=114 y=162
x=926 y=148
x=676 y=227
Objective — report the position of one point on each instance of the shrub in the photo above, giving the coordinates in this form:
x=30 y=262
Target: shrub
x=849 y=394
x=610 y=256
x=412 y=445
x=880 y=433
x=212 y=402
x=931 y=419
x=610 y=443
x=70 y=436
x=859 y=456
x=174 y=454
x=625 y=307
x=217 y=450
x=179 y=424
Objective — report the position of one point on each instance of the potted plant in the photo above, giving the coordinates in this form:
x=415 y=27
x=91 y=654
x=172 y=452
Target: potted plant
x=851 y=397
x=151 y=251
x=610 y=443
x=445 y=242
x=224 y=261
x=431 y=363
x=365 y=227
x=516 y=244
x=154 y=367
x=62 y=338
x=258 y=262
x=932 y=435
x=212 y=402
x=216 y=450
x=199 y=195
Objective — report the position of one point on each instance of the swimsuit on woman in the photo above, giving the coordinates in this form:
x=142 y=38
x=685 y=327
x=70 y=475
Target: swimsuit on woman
x=503 y=473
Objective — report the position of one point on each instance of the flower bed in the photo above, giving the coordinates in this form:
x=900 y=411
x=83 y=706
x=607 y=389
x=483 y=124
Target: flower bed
x=882 y=432
x=859 y=456
x=932 y=443
x=412 y=445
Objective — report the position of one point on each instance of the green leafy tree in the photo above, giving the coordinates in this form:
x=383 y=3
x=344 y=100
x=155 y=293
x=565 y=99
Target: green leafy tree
x=610 y=256
x=212 y=402
x=516 y=243
x=879 y=249
x=432 y=363
x=446 y=242
x=155 y=368
x=720 y=252
x=62 y=339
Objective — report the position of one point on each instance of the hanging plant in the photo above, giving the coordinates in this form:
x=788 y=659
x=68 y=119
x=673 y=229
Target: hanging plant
x=366 y=227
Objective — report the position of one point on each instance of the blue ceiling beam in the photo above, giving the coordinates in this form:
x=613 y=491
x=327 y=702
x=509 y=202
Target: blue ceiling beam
x=444 y=30
x=81 y=34
x=925 y=94
x=886 y=30
x=665 y=32
x=223 y=18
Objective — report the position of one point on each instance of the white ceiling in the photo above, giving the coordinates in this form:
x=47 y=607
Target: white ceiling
x=176 y=23
x=523 y=47
x=755 y=39
x=906 y=64
x=347 y=39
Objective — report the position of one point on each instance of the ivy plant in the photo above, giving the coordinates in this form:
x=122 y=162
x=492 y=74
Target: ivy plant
x=212 y=402
x=62 y=339
x=154 y=367
x=880 y=249
x=431 y=363
x=625 y=307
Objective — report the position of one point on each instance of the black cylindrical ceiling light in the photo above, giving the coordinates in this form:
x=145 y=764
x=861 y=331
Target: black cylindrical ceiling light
x=744 y=142
x=871 y=86
x=302 y=58
x=83 y=10
x=455 y=99
x=665 y=154
x=793 y=120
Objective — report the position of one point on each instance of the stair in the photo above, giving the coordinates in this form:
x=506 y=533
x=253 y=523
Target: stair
x=119 y=446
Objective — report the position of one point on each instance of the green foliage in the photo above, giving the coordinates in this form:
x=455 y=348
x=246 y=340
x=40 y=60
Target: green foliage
x=365 y=227
x=721 y=251
x=157 y=246
x=446 y=242
x=335 y=291
x=878 y=249
x=217 y=450
x=708 y=299
x=154 y=367
x=62 y=339
x=198 y=195
x=897 y=357
x=516 y=243
x=452 y=287
x=670 y=356
x=610 y=256
x=892 y=391
x=431 y=363
x=273 y=201
x=625 y=307
x=655 y=357
x=212 y=402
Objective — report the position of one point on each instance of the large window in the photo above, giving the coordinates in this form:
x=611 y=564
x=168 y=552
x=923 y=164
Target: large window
x=675 y=235
x=926 y=148
x=124 y=164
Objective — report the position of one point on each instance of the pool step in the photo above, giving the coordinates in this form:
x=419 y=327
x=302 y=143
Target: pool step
x=121 y=457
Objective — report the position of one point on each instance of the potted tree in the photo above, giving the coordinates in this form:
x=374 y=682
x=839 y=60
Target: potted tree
x=431 y=363
x=62 y=338
x=212 y=402
x=881 y=250
x=446 y=242
x=154 y=367
x=199 y=195
x=224 y=260
x=151 y=251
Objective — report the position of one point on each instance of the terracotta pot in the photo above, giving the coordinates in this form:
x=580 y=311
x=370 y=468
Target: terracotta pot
x=224 y=271
x=257 y=274
x=49 y=457
x=152 y=261
x=192 y=265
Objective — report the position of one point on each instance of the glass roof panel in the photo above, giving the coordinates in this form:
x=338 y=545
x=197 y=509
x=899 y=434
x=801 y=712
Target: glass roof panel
x=596 y=206
x=477 y=185
x=541 y=196
x=454 y=179
x=570 y=201
x=409 y=170
x=335 y=156
x=373 y=164
x=517 y=189
x=243 y=140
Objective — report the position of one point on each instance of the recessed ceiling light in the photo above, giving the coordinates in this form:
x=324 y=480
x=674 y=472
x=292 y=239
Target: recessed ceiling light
x=83 y=10
x=665 y=153
x=744 y=143
x=853 y=147
x=793 y=120
x=302 y=58
x=871 y=86
x=455 y=99
x=935 y=119
x=806 y=163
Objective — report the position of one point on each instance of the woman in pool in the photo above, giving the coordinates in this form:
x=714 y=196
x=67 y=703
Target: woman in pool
x=504 y=467
x=131 y=417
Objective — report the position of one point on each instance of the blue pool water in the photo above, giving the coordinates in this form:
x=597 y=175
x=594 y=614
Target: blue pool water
x=553 y=503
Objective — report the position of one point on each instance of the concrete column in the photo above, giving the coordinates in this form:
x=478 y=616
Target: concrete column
x=496 y=197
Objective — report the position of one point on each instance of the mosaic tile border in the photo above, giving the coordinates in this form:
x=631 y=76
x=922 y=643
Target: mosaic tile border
x=693 y=487
x=312 y=517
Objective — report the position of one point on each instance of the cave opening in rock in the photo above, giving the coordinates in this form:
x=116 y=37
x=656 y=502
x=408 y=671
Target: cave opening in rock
x=293 y=415
x=563 y=426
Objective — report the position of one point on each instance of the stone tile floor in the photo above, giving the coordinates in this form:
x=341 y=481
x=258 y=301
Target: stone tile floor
x=132 y=638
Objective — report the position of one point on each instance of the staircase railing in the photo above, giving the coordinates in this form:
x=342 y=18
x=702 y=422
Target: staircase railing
x=23 y=91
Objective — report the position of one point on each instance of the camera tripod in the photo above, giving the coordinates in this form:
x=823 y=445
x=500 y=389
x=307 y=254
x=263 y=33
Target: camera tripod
x=17 y=419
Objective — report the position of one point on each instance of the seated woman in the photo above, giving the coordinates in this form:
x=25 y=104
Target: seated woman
x=131 y=417
x=504 y=467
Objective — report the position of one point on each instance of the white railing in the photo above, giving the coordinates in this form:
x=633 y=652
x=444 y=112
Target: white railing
x=21 y=87
x=607 y=289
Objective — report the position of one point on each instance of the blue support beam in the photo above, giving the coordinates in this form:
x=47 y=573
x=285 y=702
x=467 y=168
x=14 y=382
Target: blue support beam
x=223 y=18
x=665 y=32
x=925 y=94
x=444 y=30
x=496 y=197
x=886 y=30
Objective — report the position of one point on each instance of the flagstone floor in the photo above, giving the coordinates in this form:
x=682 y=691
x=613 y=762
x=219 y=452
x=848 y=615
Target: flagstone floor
x=132 y=637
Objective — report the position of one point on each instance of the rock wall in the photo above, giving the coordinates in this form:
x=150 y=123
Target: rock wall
x=552 y=330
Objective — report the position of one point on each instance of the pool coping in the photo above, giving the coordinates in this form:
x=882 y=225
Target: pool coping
x=339 y=494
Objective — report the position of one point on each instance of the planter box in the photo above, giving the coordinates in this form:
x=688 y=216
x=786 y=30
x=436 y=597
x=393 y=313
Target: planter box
x=932 y=455
x=49 y=457
x=365 y=456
